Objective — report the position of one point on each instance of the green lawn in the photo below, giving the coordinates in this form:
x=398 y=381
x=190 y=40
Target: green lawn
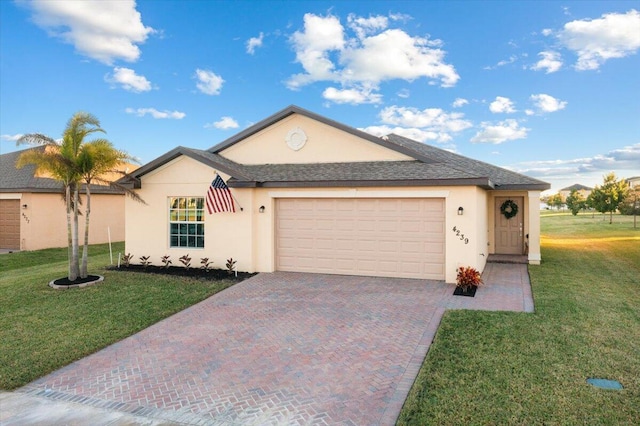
x=42 y=329
x=516 y=368
x=483 y=368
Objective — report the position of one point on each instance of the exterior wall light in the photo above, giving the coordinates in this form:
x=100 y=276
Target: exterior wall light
x=24 y=206
x=460 y=211
x=261 y=209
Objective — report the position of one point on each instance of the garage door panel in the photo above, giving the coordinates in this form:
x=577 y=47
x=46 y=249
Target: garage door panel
x=383 y=237
x=10 y=224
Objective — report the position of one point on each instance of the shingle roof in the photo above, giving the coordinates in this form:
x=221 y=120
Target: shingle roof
x=13 y=179
x=432 y=166
x=577 y=187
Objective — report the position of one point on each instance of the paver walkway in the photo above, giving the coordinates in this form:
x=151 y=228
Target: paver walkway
x=281 y=348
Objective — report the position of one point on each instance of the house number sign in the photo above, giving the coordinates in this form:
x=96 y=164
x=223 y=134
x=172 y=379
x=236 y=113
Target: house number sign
x=460 y=235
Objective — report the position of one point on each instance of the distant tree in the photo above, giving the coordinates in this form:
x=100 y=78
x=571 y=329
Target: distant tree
x=607 y=198
x=575 y=202
x=556 y=201
x=631 y=203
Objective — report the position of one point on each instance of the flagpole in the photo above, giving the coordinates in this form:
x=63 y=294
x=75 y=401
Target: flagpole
x=232 y=196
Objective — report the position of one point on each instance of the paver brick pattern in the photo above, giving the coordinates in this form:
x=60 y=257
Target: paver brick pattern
x=281 y=348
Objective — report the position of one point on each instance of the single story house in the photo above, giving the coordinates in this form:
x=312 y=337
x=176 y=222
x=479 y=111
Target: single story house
x=314 y=195
x=633 y=182
x=583 y=190
x=33 y=214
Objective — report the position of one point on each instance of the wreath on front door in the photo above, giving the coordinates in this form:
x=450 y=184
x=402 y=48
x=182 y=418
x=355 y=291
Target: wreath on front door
x=509 y=209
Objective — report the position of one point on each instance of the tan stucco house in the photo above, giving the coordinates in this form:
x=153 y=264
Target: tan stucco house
x=314 y=195
x=583 y=190
x=33 y=214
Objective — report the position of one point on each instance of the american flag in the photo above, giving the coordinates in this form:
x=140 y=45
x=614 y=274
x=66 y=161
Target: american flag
x=219 y=198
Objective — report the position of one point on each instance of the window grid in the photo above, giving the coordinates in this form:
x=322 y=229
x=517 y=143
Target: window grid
x=186 y=222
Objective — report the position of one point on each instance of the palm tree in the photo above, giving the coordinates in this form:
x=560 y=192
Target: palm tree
x=75 y=162
x=51 y=161
x=97 y=159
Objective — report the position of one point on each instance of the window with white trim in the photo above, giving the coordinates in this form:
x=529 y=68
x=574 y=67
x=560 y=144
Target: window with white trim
x=186 y=222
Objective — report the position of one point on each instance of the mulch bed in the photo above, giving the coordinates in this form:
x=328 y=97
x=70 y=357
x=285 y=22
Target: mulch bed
x=178 y=271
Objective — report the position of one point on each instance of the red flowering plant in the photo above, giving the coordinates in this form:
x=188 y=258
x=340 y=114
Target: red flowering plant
x=468 y=277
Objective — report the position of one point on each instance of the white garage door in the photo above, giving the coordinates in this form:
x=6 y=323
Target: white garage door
x=373 y=237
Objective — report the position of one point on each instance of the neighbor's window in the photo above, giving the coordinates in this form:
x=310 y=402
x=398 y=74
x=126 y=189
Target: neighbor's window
x=186 y=222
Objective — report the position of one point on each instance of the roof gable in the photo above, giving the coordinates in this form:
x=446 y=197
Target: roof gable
x=297 y=136
x=415 y=163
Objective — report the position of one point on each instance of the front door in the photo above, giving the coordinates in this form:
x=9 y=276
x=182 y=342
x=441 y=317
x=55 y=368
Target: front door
x=509 y=230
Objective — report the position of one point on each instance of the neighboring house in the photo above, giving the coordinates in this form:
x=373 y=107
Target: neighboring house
x=33 y=214
x=633 y=182
x=319 y=196
x=581 y=189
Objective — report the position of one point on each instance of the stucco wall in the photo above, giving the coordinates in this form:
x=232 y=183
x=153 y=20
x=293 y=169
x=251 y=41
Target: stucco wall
x=531 y=220
x=249 y=237
x=147 y=226
x=325 y=144
x=44 y=220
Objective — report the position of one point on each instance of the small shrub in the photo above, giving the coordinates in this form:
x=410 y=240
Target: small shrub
x=166 y=261
x=205 y=263
x=185 y=260
x=231 y=265
x=144 y=260
x=126 y=259
x=468 y=277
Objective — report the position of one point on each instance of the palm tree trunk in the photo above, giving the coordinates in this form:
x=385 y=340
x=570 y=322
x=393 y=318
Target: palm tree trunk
x=74 y=237
x=67 y=198
x=85 y=248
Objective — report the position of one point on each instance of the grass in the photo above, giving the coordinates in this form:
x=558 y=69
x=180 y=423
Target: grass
x=516 y=368
x=42 y=329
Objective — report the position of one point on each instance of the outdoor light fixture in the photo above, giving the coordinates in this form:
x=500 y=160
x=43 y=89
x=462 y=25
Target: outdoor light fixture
x=261 y=209
x=24 y=206
x=460 y=211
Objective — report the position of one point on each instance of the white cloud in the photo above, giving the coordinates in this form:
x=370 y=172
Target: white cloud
x=502 y=105
x=365 y=26
x=547 y=32
x=547 y=103
x=614 y=35
x=354 y=96
x=372 y=54
x=312 y=46
x=419 y=135
x=129 y=80
x=404 y=93
x=430 y=124
x=253 y=43
x=102 y=30
x=224 y=123
x=502 y=63
x=432 y=119
x=503 y=131
x=624 y=161
x=405 y=57
x=208 y=82
x=459 y=102
x=11 y=138
x=141 y=112
x=550 y=62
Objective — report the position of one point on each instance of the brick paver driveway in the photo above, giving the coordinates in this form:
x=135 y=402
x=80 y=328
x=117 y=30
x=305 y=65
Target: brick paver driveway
x=282 y=348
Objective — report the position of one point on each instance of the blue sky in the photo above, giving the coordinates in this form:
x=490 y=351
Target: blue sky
x=549 y=89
